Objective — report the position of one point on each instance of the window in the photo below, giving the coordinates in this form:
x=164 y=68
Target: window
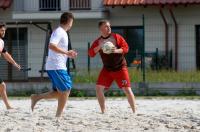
x=134 y=38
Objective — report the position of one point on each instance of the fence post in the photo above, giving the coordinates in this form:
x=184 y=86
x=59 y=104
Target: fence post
x=88 y=59
x=156 y=58
x=171 y=55
x=143 y=51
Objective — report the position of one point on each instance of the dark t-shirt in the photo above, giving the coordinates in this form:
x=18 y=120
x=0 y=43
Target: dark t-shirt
x=113 y=61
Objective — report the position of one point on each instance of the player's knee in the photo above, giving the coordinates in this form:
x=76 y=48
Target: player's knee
x=128 y=91
x=63 y=93
x=3 y=87
x=99 y=87
x=98 y=90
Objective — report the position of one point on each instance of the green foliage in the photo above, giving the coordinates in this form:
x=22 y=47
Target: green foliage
x=156 y=93
x=85 y=77
x=136 y=76
x=78 y=93
x=21 y=93
x=114 y=93
x=172 y=76
x=165 y=76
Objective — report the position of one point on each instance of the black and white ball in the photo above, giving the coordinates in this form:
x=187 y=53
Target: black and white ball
x=107 y=47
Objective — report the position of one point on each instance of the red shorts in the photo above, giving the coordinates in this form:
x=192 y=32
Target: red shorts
x=107 y=77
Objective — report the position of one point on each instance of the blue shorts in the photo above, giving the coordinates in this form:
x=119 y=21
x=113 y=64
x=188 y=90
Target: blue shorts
x=60 y=79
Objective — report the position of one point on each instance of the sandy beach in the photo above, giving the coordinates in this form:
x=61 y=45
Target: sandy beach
x=83 y=115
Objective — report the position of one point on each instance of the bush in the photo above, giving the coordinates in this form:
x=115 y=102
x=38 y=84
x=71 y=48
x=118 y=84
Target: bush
x=114 y=93
x=78 y=93
x=160 y=62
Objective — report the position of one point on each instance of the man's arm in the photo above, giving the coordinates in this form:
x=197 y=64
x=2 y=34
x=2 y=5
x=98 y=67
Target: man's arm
x=94 y=49
x=123 y=45
x=9 y=58
x=70 y=53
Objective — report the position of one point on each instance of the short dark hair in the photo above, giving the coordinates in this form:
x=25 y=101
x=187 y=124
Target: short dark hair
x=101 y=22
x=65 y=17
x=2 y=24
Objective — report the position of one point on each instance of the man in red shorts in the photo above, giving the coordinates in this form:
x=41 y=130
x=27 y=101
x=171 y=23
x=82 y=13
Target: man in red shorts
x=114 y=64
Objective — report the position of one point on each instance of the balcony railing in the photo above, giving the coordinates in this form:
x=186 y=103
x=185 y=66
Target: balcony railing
x=49 y=5
x=80 y=4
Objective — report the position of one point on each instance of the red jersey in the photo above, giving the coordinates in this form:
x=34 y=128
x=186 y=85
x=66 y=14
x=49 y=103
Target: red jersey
x=113 y=61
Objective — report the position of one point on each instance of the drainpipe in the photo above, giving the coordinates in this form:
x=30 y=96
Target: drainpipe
x=166 y=33
x=176 y=37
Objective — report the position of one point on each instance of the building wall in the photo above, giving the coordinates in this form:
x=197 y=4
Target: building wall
x=82 y=33
x=36 y=43
x=187 y=18
x=6 y=14
x=154 y=28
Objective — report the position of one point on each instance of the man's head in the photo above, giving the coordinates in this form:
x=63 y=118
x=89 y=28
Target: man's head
x=104 y=27
x=66 y=19
x=2 y=29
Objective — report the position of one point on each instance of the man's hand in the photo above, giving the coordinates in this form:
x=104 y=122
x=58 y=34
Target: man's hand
x=98 y=48
x=17 y=66
x=115 y=50
x=72 y=54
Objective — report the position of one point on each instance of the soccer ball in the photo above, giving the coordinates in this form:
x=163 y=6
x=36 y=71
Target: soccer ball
x=107 y=47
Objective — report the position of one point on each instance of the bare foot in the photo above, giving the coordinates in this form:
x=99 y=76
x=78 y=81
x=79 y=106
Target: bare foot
x=134 y=109
x=9 y=107
x=58 y=115
x=34 y=100
x=103 y=111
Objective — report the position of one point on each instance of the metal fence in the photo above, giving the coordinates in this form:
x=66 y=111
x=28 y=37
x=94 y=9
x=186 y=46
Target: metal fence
x=49 y=5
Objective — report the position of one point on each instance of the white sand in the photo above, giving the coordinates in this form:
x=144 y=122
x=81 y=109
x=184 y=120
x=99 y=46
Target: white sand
x=84 y=115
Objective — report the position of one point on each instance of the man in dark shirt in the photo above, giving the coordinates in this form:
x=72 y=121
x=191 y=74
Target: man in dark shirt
x=114 y=64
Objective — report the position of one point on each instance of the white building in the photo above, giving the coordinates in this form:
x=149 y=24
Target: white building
x=173 y=26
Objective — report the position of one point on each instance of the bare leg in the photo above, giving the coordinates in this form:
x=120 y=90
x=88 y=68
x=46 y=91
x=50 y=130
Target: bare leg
x=101 y=97
x=62 y=99
x=36 y=97
x=131 y=98
x=4 y=95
